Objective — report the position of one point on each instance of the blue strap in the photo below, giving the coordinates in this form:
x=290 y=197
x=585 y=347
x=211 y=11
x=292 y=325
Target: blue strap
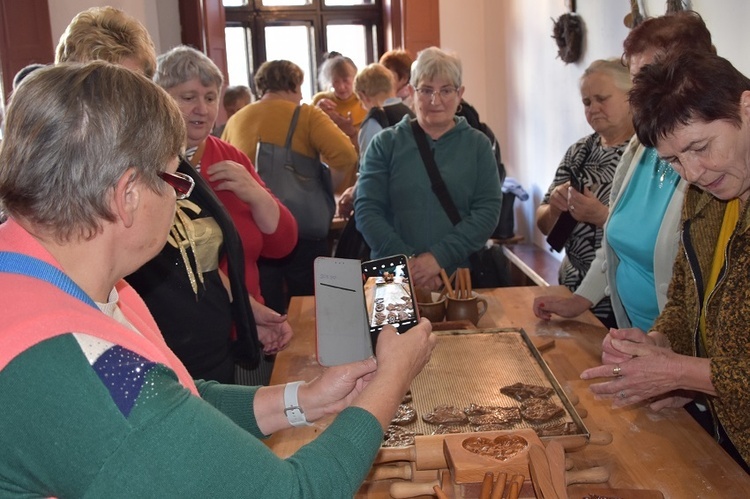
x=17 y=263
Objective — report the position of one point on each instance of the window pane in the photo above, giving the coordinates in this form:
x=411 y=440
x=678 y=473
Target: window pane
x=238 y=55
x=234 y=3
x=348 y=2
x=285 y=3
x=349 y=40
x=293 y=43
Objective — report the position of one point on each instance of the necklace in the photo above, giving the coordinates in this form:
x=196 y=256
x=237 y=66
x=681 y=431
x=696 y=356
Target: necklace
x=664 y=172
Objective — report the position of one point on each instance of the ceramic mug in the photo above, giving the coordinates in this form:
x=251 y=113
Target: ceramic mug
x=470 y=309
x=433 y=310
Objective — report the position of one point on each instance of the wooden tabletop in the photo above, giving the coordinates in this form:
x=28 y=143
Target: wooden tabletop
x=666 y=451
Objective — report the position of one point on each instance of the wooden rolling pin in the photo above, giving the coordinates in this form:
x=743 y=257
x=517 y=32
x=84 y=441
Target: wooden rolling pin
x=400 y=490
x=427 y=453
x=405 y=471
x=597 y=474
x=595 y=438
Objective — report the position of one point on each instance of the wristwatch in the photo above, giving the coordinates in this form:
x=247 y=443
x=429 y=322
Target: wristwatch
x=294 y=413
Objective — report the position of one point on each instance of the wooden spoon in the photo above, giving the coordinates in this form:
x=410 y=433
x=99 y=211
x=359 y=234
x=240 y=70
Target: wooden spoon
x=556 y=459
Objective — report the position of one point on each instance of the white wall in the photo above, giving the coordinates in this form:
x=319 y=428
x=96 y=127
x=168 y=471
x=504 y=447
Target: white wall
x=530 y=97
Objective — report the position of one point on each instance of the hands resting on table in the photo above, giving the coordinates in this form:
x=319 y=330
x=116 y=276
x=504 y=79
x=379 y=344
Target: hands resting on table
x=640 y=367
x=643 y=368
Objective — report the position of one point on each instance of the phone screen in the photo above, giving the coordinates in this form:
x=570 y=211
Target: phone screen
x=389 y=294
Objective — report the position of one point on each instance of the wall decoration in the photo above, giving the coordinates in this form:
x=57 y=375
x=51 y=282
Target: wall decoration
x=567 y=31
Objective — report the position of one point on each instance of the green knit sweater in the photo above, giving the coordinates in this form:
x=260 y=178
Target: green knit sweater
x=63 y=435
x=398 y=213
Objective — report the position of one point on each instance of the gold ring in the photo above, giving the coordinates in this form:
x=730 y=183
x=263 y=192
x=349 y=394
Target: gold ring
x=616 y=370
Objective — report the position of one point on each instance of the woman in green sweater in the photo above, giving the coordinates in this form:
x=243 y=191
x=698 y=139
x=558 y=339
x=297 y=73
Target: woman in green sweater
x=396 y=209
x=98 y=404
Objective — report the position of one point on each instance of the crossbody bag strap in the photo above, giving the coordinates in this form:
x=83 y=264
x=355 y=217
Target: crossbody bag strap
x=436 y=180
x=290 y=134
x=17 y=263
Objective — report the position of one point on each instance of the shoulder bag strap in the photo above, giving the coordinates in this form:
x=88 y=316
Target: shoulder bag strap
x=290 y=134
x=17 y=263
x=438 y=184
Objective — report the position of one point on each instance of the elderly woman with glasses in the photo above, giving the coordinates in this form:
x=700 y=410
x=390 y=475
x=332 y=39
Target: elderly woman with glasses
x=83 y=366
x=396 y=209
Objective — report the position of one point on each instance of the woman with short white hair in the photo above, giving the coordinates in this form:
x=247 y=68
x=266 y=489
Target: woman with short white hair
x=396 y=209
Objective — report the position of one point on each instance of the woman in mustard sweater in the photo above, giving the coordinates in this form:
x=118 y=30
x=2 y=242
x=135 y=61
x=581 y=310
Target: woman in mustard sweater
x=279 y=86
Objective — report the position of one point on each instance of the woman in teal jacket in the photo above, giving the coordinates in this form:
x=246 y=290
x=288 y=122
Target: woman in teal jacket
x=396 y=209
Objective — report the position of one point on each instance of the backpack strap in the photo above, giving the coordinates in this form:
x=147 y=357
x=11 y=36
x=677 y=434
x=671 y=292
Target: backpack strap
x=436 y=180
x=290 y=134
x=379 y=115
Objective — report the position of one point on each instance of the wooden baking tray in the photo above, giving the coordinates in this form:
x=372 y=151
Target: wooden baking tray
x=470 y=366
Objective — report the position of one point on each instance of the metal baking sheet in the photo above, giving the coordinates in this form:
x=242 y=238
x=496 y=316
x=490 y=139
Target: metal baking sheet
x=470 y=366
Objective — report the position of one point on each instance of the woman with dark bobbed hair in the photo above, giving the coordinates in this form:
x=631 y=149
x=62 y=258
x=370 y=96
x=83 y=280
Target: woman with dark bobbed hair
x=694 y=108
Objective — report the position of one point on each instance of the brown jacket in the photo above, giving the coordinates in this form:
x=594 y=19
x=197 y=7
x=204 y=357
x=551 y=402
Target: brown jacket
x=728 y=314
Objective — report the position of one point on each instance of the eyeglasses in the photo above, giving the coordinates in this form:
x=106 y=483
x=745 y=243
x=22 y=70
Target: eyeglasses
x=444 y=93
x=183 y=184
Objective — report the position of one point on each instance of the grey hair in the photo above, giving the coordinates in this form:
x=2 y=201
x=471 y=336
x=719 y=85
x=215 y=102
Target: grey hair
x=184 y=63
x=337 y=66
x=614 y=68
x=434 y=63
x=72 y=132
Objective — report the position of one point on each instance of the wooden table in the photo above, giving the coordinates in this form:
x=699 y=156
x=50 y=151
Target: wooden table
x=667 y=451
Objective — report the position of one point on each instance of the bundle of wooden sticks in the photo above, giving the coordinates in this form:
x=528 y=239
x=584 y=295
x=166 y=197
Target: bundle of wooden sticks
x=458 y=285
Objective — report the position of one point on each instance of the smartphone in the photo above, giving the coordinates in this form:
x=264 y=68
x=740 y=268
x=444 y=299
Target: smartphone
x=341 y=325
x=389 y=294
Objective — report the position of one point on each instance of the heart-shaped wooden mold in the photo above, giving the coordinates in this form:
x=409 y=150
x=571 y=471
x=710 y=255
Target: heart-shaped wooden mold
x=470 y=456
x=501 y=448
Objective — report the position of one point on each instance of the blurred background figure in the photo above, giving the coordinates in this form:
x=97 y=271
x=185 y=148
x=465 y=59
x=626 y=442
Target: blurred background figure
x=278 y=84
x=399 y=64
x=235 y=98
x=341 y=104
x=592 y=161
x=375 y=88
x=108 y=34
x=396 y=209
